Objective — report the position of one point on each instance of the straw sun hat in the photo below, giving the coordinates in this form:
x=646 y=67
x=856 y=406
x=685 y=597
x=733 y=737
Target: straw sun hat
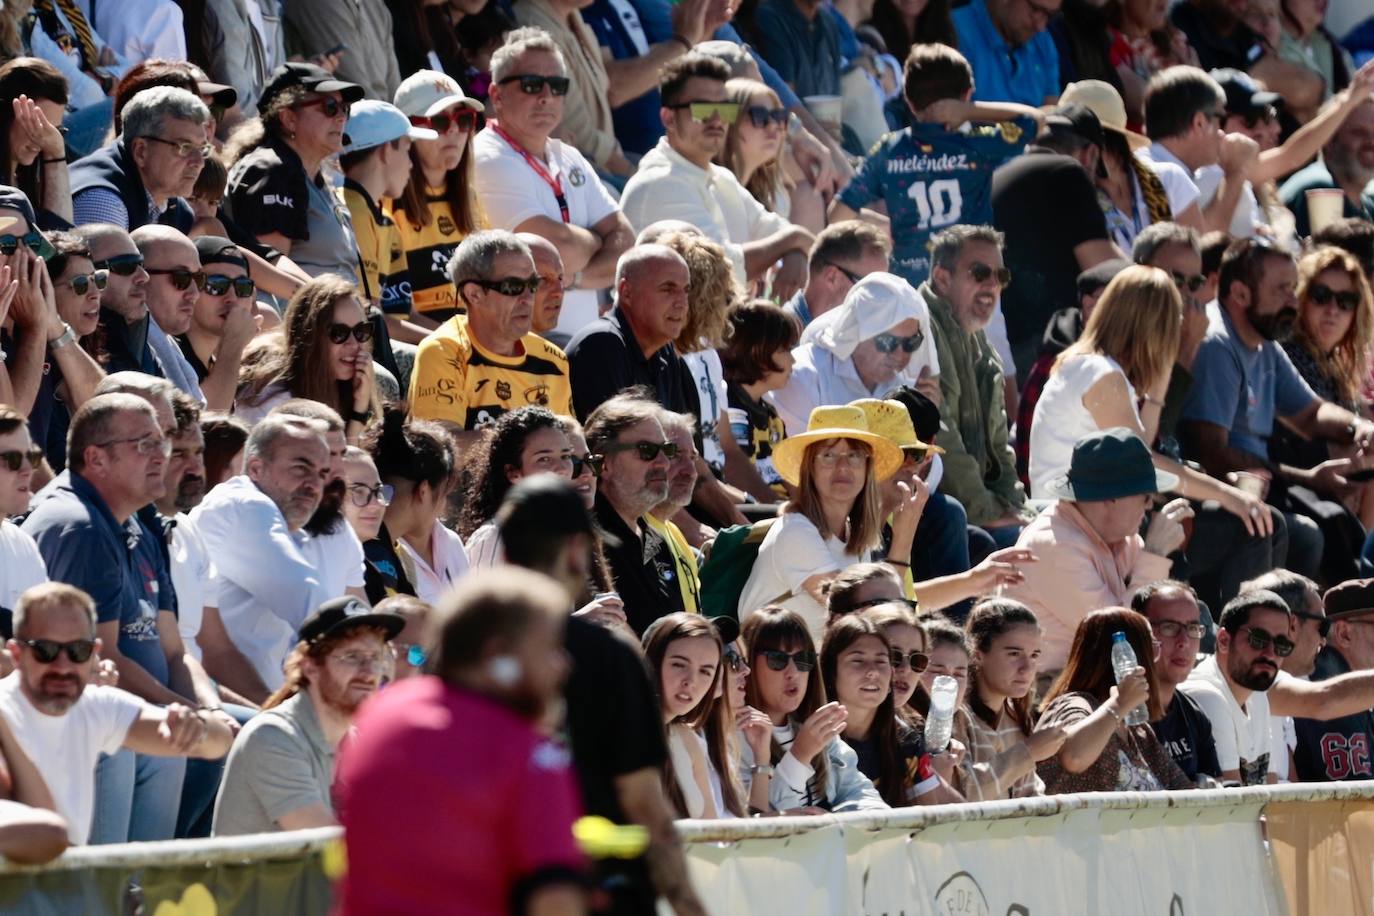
x=845 y=422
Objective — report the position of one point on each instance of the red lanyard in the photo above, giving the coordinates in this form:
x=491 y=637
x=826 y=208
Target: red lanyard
x=555 y=184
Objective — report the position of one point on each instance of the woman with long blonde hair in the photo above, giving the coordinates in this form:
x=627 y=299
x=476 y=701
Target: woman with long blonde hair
x=755 y=150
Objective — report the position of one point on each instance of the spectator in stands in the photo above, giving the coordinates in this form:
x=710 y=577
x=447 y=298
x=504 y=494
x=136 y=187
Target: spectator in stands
x=811 y=767
x=880 y=337
x=144 y=174
x=632 y=345
x=902 y=25
x=21 y=565
x=365 y=508
x=1183 y=729
x=438 y=207
x=360 y=38
x=527 y=182
x=175 y=284
x=1012 y=54
x=1352 y=235
x=1311 y=627
x=844 y=253
x=1306 y=42
x=276 y=193
x=980 y=470
x=836 y=464
x=138 y=31
x=207 y=195
x=487 y=362
x=323 y=357
x=1088 y=543
x=125 y=317
x=1347 y=162
x=1003 y=747
x=33 y=153
x=677 y=179
x=1143 y=42
x=281 y=769
x=802 y=42
x=548 y=299
x=755 y=151
x=55 y=649
x=222 y=321
x=756 y=359
x=1101 y=753
x=1330 y=751
x=225 y=438
x=528 y=440
x=236 y=47
x=252 y=528
x=375 y=159
x=413 y=645
x=178 y=73
x=417 y=459
x=682 y=482
x=751 y=726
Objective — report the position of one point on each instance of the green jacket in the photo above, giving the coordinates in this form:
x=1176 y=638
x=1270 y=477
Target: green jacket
x=980 y=469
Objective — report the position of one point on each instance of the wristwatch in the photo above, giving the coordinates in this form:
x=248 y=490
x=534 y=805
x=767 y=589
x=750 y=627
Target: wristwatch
x=68 y=336
x=764 y=769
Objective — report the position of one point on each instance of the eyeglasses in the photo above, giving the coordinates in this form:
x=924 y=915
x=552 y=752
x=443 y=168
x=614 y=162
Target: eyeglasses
x=82 y=283
x=735 y=661
x=219 y=284
x=10 y=243
x=331 y=106
x=982 y=273
x=362 y=495
x=705 y=111
x=851 y=460
x=849 y=274
x=15 y=460
x=778 y=659
x=415 y=654
x=533 y=84
x=361 y=660
x=647 y=451
x=511 y=286
x=464 y=121
x=1260 y=640
x=917 y=661
x=144 y=445
x=760 y=115
x=185 y=149
x=182 y=277
x=1191 y=284
x=591 y=463
x=1323 y=622
x=1347 y=300
x=123 y=265
x=339 y=332
x=1170 y=629
x=45 y=651
x=887 y=343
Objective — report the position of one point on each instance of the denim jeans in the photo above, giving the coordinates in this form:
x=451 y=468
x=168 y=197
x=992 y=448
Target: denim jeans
x=136 y=797
x=202 y=785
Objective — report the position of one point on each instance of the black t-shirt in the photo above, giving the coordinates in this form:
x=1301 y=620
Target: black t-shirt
x=1186 y=735
x=912 y=742
x=1046 y=204
x=644 y=571
x=1338 y=749
x=192 y=358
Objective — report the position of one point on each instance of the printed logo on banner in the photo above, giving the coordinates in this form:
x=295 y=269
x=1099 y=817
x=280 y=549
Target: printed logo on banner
x=960 y=895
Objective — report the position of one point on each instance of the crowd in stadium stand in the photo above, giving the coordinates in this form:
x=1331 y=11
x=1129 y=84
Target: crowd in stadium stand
x=450 y=418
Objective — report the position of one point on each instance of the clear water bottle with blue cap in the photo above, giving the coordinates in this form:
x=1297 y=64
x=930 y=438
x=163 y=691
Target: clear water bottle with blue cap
x=940 y=722
x=1123 y=663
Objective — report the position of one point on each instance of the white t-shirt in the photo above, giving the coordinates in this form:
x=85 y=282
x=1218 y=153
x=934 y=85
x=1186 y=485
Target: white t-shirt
x=21 y=565
x=1242 y=736
x=512 y=192
x=192 y=572
x=710 y=378
x=338 y=558
x=1061 y=419
x=792 y=552
x=1248 y=215
x=65 y=748
x=1174 y=175
x=450 y=565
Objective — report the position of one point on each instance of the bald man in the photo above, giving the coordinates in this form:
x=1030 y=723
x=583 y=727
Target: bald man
x=124 y=301
x=548 y=300
x=174 y=286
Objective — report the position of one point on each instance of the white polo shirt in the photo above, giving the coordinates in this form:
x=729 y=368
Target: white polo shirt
x=192 y=573
x=21 y=565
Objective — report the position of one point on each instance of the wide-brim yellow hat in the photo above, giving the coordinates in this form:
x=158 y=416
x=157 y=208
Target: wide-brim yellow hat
x=892 y=420
x=845 y=422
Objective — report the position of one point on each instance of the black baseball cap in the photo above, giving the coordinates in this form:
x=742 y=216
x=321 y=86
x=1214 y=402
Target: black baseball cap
x=925 y=415
x=215 y=249
x=1244 y=96
x=15 y=199
x=1079 y=121
x=339 y=615
x=308 y=76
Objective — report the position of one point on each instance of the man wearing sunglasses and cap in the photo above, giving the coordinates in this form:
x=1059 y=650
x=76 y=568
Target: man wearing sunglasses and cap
x=1341 y=748
x=222 y=321
x=175 y=284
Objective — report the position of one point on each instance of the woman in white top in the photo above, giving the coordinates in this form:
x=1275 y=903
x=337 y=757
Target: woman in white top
x=1117 y=374
x=833 y=522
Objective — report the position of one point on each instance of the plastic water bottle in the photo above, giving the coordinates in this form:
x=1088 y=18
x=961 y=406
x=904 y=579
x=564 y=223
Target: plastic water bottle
x=1123 y=663
x=941 y=719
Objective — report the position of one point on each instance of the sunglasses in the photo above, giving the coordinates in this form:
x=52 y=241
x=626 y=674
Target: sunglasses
x=734 y=660
x=778 y=659
x=1346 y=300
x=982 y=273
x=331 y=106
x=1170 y=629
x=46 y=650
x=510 y=286
x=9 y=244
x=1260 y=640
x=1323 y=623
x=705 y=111
x=15 y=460
x=647 y=451
x=760 y=115
x=917 y=661
x=339 y=333
x=463 y=121
x=887 y=343
x=362 y=495
x=849 y=274
x=182 y=277
x=123 y=265
x=592 y=463
x=219 y=284
x=1191 y=284
x=82 y=283
x=533 y=84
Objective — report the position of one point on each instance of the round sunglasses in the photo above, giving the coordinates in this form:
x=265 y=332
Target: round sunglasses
x=9 y=244
x=339 y=332
x=982 y=273
x=362 y=495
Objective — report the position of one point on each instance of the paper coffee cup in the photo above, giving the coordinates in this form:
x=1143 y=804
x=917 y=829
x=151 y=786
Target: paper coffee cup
x=827 y=109
x=1255 y=483
x=1324 y=207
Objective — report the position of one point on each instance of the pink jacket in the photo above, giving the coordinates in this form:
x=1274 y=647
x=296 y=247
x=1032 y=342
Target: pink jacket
x=1077 y=573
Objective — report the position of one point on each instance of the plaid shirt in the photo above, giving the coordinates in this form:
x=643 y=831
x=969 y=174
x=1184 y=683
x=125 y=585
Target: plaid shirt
x=1025 y=412
x=997 y=763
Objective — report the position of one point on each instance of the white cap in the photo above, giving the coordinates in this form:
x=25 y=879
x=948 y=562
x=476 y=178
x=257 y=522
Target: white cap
x=372 y=123
x=425 y=93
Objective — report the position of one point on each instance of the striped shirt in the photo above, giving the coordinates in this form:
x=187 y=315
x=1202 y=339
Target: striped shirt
x=998 y=764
